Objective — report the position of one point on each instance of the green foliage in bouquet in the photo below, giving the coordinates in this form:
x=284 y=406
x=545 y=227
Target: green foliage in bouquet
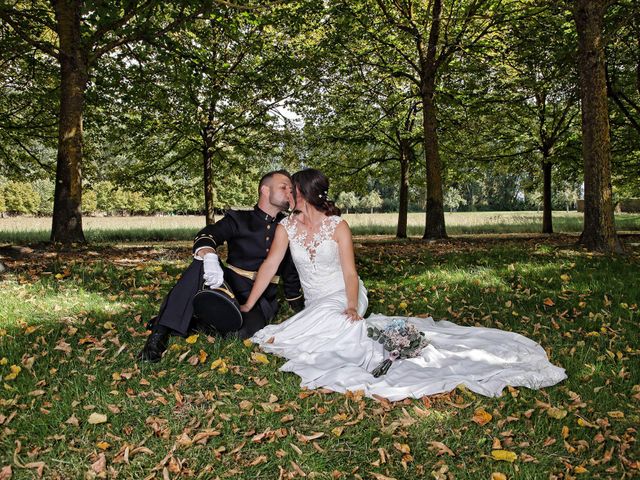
x=400 y=339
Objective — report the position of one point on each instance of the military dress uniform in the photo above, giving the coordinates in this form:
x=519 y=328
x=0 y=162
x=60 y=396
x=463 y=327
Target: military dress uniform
x=249 y=235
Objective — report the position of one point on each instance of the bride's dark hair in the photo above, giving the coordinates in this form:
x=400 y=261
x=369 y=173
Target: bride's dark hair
x=314 y=187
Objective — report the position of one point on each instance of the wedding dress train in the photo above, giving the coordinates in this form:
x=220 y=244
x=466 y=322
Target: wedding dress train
x=327 y=350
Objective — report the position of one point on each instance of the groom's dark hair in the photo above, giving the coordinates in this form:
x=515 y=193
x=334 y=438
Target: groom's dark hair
x=268 y=175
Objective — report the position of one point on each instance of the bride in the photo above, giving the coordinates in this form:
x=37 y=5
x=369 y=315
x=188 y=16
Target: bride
x=326 y=344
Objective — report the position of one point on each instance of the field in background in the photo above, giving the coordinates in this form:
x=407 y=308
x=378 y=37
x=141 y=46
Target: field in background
x=34 y=229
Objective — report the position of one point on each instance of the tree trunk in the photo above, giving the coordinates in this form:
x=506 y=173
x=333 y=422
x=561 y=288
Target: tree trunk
x=547 y=225
x=599 y=229
x=209 y=189
x=403 y=207
x=434 y=224
x=67 y=214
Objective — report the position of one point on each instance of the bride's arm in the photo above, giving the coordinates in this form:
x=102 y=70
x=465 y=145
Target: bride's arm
x=268 y=268
x=348 y=264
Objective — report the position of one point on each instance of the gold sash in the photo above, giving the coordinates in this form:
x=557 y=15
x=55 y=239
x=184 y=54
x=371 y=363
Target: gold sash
x=249 y=274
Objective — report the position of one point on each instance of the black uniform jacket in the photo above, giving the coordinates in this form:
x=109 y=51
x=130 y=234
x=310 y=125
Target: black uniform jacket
x=249 y=235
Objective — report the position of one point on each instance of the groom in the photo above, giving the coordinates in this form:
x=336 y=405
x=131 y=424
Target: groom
x=249 y=234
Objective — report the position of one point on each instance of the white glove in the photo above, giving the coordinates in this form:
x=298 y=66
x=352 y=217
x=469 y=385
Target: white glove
x=213 y=275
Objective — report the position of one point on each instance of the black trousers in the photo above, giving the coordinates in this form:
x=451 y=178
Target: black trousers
x=176 y=311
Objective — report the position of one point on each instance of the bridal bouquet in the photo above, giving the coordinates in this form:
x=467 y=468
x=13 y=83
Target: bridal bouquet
x=400 y=339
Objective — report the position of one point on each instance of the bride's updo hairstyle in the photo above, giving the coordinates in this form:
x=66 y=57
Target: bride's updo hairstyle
x=314 y=188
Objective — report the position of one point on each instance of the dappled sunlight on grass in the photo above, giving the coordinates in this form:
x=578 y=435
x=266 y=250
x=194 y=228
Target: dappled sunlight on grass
x=72 y=324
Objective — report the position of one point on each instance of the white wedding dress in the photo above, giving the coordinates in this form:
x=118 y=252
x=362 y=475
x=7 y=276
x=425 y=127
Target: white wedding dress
x=327 y=350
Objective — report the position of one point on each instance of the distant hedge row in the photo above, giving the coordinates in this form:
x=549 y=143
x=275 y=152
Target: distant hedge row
x=36 y=198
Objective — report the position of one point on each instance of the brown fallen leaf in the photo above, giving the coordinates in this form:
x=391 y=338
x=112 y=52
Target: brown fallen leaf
x=96 y=418
x=441 y=448
x=379 y=476
x=6 y=472
x=258 y=460
x=308 y=438
x=72 y=420
x=100 y=465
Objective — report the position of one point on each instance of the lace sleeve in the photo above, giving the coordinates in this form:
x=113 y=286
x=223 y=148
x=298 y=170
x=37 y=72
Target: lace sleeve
x=288 y=224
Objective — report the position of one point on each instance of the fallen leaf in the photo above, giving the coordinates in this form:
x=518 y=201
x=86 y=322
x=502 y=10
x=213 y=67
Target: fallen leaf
x=5 y=473
x=498 y=476
x=96 y=418
x=504 y=455
x=192 y=338
x=39 y=466
x=557 y=413
x=441 y=448
x=72 y=420
x=337 y=431
x=548 y=302
x=259 y=357
x=15 y=370
x=481 y=416
x=100 y=465
x=379 y=476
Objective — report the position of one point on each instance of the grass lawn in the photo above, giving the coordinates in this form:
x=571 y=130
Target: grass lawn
x=115 y=229
x=75 y=404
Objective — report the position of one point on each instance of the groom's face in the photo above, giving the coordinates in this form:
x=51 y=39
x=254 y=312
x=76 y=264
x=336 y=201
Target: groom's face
x=280 y=191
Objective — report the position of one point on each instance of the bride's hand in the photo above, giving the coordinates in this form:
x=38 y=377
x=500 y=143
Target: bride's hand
x=352 y=314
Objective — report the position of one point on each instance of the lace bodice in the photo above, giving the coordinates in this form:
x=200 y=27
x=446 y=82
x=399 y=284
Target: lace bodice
x=316 y=256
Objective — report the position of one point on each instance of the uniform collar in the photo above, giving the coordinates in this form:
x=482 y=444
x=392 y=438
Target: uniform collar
x=266 y=217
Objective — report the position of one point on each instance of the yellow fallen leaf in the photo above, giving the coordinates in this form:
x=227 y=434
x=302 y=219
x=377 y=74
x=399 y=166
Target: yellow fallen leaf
x=565 y=278
x=402 y=305
x=557 y=413
x=223 y=369
x=202 y=356
x=504 y=455
x=337 y=431
x=565 y=431
x=15 y=370
x=583 y=423
x=259 y=357
x=108 y=326
x=96 y=418
x=616 y=414
x=30 y=329
x=192 y=339
x=247 y=342
x=580 y=469
x=498 y=476
x=216 y=363
x=3 y=361
x=103 y=445
x=481 y=416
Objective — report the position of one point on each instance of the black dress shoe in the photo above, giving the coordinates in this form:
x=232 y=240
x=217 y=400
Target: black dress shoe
x=154 y=347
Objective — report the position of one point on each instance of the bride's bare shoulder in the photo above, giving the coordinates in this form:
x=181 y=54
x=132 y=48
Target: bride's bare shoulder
x=341 y=228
